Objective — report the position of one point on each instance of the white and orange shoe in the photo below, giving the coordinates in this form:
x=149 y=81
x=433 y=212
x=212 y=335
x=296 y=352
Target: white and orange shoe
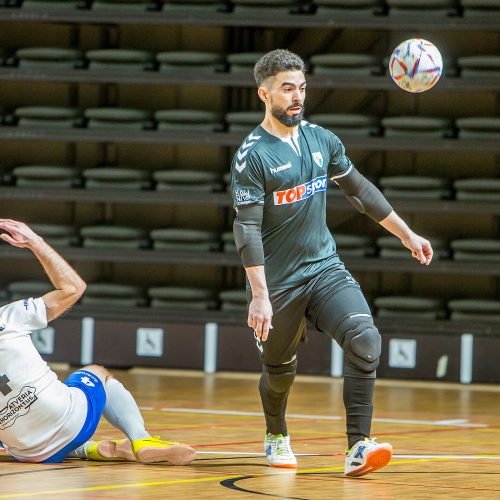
x=278 y=451
x=367 y=456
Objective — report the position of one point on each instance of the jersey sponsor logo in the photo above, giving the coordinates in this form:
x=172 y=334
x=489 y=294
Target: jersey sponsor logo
x=318 y=158
x=242 y=195
x=26 y=304
x=85 y=380
x=301 y=192
x=282 y=167
x=241 y=154
x=17 y=406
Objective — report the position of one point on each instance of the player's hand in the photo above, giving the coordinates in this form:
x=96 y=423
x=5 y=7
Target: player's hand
x=420 y=248
x=18 y=234
x=260 y=313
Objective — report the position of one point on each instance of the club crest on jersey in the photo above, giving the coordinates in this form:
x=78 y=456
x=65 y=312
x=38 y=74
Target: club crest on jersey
x=301 y=192
x=318 y=158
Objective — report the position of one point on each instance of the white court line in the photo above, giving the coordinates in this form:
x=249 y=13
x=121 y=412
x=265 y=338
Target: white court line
x=441 y=423
x=423 y=457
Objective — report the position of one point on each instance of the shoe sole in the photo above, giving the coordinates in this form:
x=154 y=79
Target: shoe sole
x=284 y=466
x=116 y=451
x=177 y=454
x=375 y=460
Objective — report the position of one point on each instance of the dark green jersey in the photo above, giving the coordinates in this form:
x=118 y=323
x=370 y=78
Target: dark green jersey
x=290 y=179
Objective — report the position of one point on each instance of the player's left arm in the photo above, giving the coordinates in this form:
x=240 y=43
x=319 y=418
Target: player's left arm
x=420 y=248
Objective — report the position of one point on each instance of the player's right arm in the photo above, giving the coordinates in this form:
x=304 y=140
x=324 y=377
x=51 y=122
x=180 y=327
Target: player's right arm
x=69 y=287
x=248 y=192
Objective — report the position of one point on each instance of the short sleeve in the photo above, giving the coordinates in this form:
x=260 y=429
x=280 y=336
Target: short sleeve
x=339 y=164
x=247 y=183
x=23 y=316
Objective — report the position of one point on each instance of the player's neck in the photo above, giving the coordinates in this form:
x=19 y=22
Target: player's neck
x=274 y=127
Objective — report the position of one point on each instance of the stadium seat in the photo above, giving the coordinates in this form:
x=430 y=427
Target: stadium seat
x=193 y=6
x=113 y=294
x=479 y=66
x=233 y=300
x=51 y=176
x=114 y=236
x=416 y=126
x=243 y=121
x=392 y=248
x=179 y=239
x=187 y=180
x=117 y=118
x=187 y=62
x=182 y=298
x=243 y=62
x=122 y=5
x=361 y=8
x=262 y=7
x=19 y=290
x=344 y=64
x=351 y=245
x=415 y=187
x=118 y=60
x=49 y=4
x=399 y=306
x=422 y=7
x=476 y=249
x=347 y=124
x=481 y=8
x=129 y=179
x=58 y=235
x=474 y=309
x=46 y=116
x=478 y=189
x=478 y=127
x=195 y=120
x=47 y=58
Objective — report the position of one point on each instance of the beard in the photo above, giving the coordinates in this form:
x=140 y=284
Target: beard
x=288 y=121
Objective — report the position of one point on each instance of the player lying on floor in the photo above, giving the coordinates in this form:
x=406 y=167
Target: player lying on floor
x=43 y=419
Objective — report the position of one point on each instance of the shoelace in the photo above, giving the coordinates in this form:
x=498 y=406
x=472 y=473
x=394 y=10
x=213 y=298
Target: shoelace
x=282 y=446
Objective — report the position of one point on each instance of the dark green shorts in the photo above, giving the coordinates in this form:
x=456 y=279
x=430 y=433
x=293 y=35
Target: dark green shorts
x=325 y=301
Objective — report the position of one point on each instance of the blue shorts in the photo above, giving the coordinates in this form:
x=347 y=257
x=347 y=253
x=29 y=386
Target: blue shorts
x=94 y=391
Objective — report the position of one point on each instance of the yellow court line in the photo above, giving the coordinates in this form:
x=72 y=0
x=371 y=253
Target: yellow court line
x=195 y=480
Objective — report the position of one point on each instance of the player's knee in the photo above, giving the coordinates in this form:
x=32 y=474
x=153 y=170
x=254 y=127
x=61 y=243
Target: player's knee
x=98 y=371
x=361 y=343
x=279 y=378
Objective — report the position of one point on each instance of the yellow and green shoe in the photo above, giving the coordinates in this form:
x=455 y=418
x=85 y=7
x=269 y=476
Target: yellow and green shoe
x=110 y=450
x=154 y=449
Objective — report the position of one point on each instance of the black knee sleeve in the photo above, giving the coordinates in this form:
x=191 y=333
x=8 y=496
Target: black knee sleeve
x=361 y=342
x=280 y=378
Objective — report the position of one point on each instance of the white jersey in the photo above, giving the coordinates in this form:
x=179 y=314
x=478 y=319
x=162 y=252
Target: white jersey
x=39 y=415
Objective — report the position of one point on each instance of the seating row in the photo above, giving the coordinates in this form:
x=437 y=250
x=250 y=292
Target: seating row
x=177 y=298
x=173 y=62
x=109 y=237
x=403 y=8
x=135 y=179
x=197 y=120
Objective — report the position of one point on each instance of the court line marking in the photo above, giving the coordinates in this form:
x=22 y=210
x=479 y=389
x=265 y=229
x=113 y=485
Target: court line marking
x=444 y=423
x=414 y=457
x=193 y=480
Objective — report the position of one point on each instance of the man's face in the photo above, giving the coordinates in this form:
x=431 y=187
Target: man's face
x=285 y=94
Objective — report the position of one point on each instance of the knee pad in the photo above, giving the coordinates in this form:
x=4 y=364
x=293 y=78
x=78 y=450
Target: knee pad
x=361 y=342
x=279 y=378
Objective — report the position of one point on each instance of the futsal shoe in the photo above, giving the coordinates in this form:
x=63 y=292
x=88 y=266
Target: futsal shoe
x=154 y=449
x=367 y=456
x=278 y=451
x=109 y=450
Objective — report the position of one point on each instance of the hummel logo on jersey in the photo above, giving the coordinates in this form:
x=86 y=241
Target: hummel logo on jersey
x=279 y=169
x=241 y=163
x=300 y=193
x=318 y=159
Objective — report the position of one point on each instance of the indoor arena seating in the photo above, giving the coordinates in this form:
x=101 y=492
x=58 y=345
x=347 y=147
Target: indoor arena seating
x=117 y=146
x=409 y=307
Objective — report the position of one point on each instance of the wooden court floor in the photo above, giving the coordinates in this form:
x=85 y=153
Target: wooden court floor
x=446 y=440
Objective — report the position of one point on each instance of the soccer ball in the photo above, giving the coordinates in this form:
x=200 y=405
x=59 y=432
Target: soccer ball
x=415 y=65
